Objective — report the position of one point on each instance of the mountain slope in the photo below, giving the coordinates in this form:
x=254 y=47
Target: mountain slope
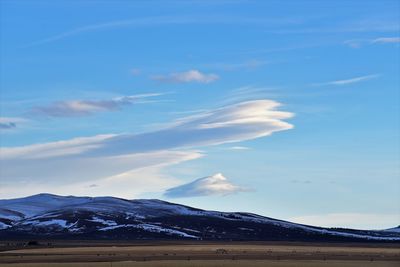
x=52 y=216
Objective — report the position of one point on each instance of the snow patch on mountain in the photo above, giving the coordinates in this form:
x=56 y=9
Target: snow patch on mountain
x=54 y=222
x=393 y=230
x=4 y=226
x=150 y=228
x=102 y=221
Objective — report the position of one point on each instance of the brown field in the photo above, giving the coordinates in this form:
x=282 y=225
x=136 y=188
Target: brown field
x=181 y=254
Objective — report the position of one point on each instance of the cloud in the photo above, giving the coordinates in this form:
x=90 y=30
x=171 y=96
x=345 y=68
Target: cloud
x=98 y=157
x=9 y=123
x=76 y=108
x=350 y=220
x=354 y=43
x=216 y=184
x=357 y=43
x=385 y=40
x=167 y=20
x=238 y=148
x=233 y=123
x=377 y=24
x=186 y=77
x=350 y=80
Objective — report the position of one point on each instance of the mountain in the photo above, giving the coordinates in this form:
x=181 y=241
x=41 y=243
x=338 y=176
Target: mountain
x=47 y=216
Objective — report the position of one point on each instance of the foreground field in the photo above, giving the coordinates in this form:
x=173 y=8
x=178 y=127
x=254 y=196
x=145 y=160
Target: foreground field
x=216 y=254
x=215 y=263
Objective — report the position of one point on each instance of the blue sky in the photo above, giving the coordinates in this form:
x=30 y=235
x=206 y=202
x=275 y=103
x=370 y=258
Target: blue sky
x=289 y=109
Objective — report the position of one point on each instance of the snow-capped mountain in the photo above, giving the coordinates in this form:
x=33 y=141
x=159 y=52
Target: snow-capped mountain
x=52 y=216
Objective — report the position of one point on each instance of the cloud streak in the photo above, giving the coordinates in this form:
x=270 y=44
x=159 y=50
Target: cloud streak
x=386 y=40
x=238 y=148
x=213 y=185
x=357 y=43
x=350 y=80
x=186 y=77
x=165 y=20
x=77 y=108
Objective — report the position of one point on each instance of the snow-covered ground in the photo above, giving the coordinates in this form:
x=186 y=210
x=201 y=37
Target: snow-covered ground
x=102 y=221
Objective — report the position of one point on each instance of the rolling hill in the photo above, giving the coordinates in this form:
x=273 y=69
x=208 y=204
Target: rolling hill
x=47 y=216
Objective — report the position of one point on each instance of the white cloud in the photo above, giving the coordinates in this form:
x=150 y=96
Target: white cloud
x=385 y=40
x=70 y=147
x=350 y=80
x=92 y=158
x=187 y=76
x=238 y=148
x=233 y=123
x=350 y=220
x=216 y=184
x=87 y=107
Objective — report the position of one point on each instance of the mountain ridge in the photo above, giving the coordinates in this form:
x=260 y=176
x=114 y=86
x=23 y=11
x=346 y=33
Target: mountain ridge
x=69 y=217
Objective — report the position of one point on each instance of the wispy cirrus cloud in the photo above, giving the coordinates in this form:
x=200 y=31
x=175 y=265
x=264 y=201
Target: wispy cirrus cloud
x=186 y=77
x=357 y=43
x=375 y=24
x=238 y=148
x=76 y=108
x=354 y=43
x=216 y=184
x=91 y=159
x=386 y=40
x=349 y=81
x=168 y=20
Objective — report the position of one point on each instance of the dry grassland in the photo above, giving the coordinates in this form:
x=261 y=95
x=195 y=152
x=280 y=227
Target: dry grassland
x=207 y=255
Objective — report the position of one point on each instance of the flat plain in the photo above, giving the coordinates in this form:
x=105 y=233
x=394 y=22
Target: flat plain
x=191 y=254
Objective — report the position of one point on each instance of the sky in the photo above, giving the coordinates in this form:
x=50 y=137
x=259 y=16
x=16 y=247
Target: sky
x=287 y=109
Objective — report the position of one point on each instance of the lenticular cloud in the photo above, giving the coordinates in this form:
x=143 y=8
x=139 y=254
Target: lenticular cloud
x=113 y=154
x=216 y=184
